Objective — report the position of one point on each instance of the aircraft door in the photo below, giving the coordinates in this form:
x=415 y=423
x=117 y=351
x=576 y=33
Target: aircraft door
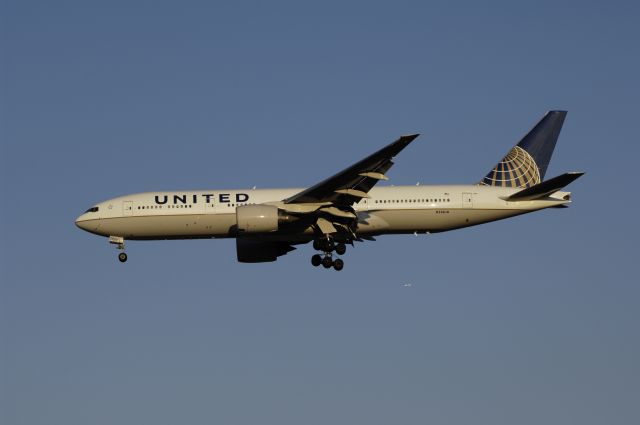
x=467 y=200
x=127 y=208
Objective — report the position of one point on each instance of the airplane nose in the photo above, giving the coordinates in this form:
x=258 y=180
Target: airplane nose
x=88 y=222
x=81 y=222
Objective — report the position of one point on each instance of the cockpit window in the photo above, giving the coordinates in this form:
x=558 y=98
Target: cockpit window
x=92 y=209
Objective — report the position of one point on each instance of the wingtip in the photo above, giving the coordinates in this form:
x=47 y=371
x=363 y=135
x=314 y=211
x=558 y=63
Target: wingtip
x=410 y=137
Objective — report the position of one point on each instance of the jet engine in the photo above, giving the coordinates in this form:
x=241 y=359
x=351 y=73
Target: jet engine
x=254 y=251
x=260 y=218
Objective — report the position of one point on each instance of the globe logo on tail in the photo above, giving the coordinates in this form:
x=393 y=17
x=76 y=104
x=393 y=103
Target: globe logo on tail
x=517 y=169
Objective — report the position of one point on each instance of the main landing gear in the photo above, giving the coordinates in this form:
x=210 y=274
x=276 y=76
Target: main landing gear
x=119 y=241
x=327 y=261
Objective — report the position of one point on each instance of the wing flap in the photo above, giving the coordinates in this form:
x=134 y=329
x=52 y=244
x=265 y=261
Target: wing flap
x=326 y=227
x=374 y=175
x=337 y=212
x=352 y=192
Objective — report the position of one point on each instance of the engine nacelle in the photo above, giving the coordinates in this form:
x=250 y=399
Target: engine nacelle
x=257 y=218
x=254 y=251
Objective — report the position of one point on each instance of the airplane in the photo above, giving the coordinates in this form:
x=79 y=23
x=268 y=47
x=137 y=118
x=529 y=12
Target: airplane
x=343 y=209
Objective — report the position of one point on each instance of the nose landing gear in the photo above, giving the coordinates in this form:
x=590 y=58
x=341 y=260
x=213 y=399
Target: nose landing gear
x=119 y=241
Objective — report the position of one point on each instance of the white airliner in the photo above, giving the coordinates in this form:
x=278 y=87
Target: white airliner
x=341 y=210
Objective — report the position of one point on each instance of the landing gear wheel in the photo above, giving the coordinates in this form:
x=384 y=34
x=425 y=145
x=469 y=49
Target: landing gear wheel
x=122 y=257
x=341 y=249
x=326 y=262
x=338 y=264
x=328 y=245
x=317 y=245
x=316 y=260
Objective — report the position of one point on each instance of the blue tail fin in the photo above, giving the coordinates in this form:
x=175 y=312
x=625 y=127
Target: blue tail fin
x=526 y=163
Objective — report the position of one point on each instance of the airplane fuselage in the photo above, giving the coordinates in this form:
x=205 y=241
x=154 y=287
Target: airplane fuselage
x=388 y=210
x=349 y=206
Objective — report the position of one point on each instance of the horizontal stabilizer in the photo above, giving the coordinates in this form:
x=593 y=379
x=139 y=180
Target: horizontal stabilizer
x=545 y=188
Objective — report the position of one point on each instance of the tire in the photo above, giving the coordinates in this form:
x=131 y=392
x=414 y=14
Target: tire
x=338 y=264
x=328 y=246
x=122 y=257
x=341 y=249
x=316 y=260
x=317 y=245
x=326 y=262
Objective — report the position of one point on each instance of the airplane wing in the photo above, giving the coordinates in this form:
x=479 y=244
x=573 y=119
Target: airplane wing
x=329 y=204
x=352 y=184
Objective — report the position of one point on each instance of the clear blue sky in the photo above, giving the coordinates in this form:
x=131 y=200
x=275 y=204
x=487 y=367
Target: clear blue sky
x=527 y=321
